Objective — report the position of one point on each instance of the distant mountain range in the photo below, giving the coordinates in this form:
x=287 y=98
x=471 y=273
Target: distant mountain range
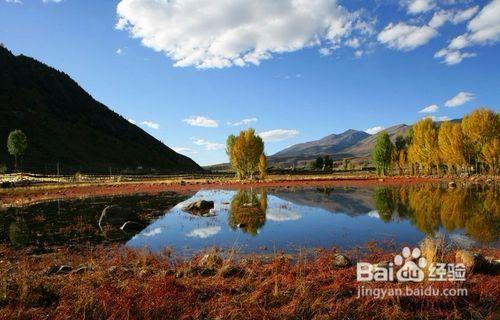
x=349 y=144
x=65 y=125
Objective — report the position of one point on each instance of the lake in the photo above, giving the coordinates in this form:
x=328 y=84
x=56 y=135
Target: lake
x=259 y=220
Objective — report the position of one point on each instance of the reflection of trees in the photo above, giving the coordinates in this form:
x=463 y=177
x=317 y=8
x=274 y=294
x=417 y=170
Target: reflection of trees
x=384 y=203
x=248 y=210
x=476 y=210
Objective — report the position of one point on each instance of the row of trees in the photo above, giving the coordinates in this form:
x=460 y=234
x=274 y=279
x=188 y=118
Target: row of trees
x=470 y=145
x=246 y=154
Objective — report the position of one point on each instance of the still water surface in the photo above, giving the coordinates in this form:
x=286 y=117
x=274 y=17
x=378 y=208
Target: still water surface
x=252 y=220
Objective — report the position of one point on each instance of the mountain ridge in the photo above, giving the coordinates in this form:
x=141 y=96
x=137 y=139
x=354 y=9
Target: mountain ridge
x=66 y=126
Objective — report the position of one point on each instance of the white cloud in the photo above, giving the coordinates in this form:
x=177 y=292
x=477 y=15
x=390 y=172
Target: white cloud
x=434 y=118
x=52 y=1
x=464 y=15
x=14 y=1
x=278 y=135
x=151 y=124
x=132 y=121
x=406 y=37
x=119 y=51
x=374 y=130
x=184 y=150
x=208 y=145
x=483 y=29
x=201 y=121
x=430 y=109
x=242 y=122
x=204 y=233
x=454 y=16
x=452 y=57
x=419 y=6
x=460 y=99
x=218 y=34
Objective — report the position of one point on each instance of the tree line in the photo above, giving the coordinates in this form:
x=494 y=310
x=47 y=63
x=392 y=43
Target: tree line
x=469 y=146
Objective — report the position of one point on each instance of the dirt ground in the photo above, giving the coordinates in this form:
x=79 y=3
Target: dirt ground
x=31 y=194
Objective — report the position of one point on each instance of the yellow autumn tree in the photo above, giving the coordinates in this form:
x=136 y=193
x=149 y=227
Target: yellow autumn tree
x=424 y=149
x=491 y=154
x=244 y=153
x=451 y=145
x=263 y=166
x=479 y=127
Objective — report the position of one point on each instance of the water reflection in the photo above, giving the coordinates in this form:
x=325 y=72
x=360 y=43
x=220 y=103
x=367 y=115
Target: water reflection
x=69 y=222
x=277 y=217
x=248 y=211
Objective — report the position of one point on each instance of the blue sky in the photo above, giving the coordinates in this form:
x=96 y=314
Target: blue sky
x=189 y=72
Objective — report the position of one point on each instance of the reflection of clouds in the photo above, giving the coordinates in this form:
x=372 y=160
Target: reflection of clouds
x=204 y=232
x=280 y=214
x=152 y=232
x=462 y=241
x=374 y=214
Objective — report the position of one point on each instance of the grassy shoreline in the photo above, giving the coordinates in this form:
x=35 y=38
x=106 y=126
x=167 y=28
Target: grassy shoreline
x=116 y=283
x=117 y=186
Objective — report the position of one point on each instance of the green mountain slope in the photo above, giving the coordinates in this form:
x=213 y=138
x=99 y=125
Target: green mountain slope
x=65 y=125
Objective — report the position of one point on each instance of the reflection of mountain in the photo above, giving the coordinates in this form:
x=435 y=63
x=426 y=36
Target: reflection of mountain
x=76 y=221
x=351 y=201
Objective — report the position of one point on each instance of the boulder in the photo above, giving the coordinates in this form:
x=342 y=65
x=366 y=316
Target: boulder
x=472 y=261
x=341 y=261
x=116 y=216
x=199 y=207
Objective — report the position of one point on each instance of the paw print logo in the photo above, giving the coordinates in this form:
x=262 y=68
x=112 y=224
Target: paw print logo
x=410 y=271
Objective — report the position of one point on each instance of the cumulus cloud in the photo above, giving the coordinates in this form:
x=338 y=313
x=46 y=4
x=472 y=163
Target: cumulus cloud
x=452 y=57
x=204 y=233
x=151 y=124
x=419 y=6
x=278 y=135
x=218 y=34
x=374 y=130
x=402 y=36
x=208 y=145
x=201 y=121
x=460 y=99
x=132 y=121
x=184 y=150
x=406 y=37
x=483 y=29
x=119 y=51
x=243 y=122
x=430 y=109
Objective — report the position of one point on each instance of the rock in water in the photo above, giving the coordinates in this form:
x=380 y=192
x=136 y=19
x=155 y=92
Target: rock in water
x=199 y=207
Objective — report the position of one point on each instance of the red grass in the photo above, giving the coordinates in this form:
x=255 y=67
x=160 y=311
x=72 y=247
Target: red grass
x=136 y=285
